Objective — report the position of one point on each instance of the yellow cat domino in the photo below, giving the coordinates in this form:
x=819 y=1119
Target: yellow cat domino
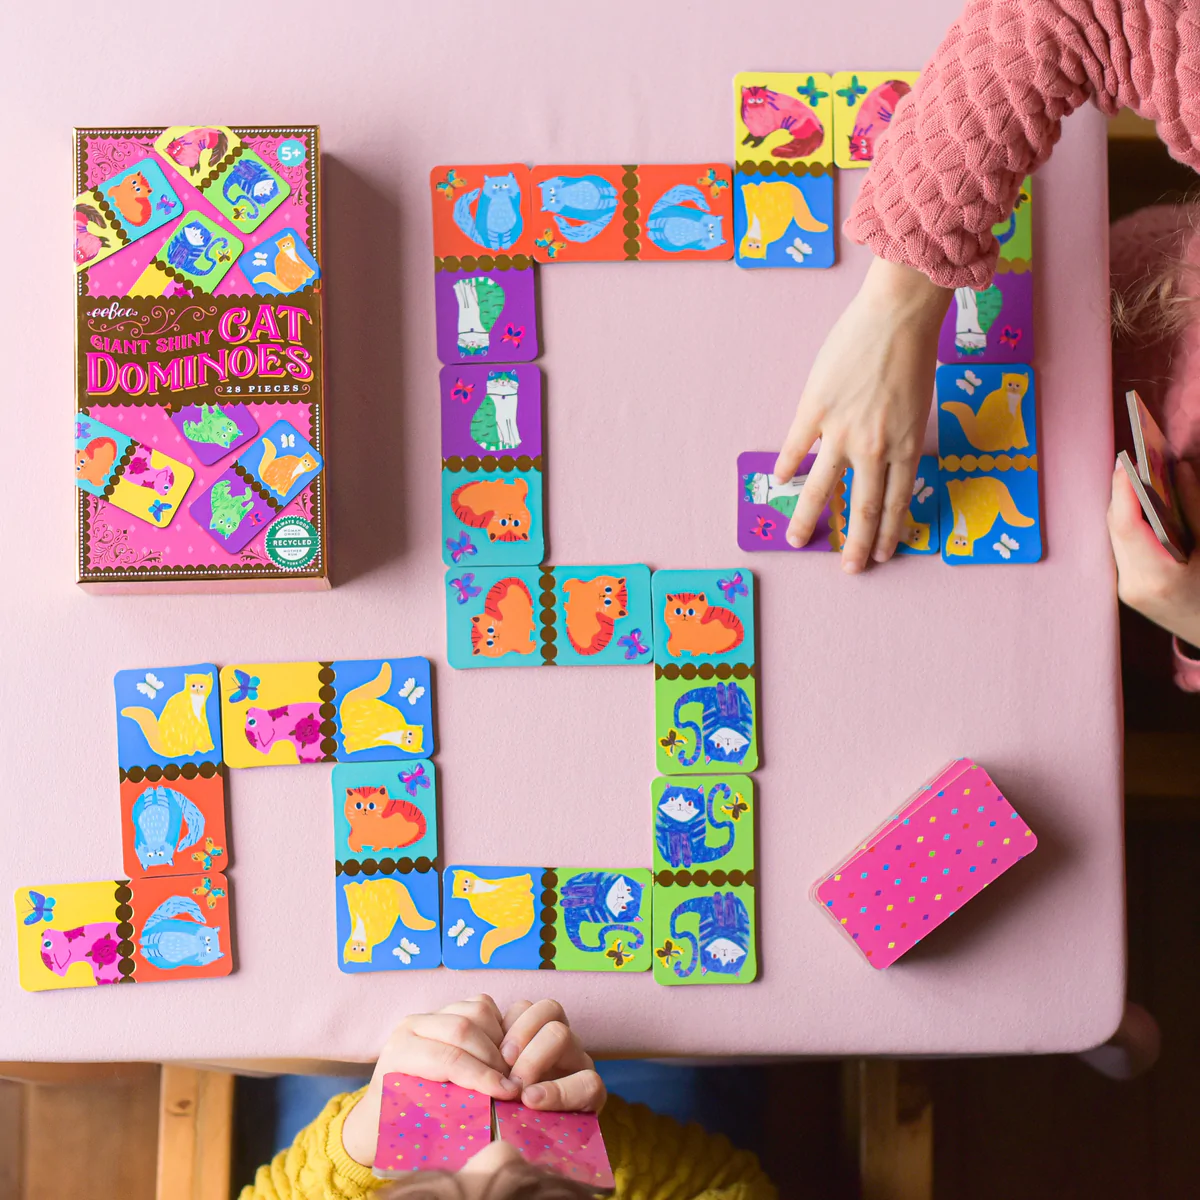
x=505 y=904
x=182 y=726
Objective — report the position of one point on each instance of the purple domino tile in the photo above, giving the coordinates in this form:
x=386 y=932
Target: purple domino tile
x=231 y=512
x=491 y=410
x=992 y=326
x=214 y=430
x=485 y=316
x=764 y=509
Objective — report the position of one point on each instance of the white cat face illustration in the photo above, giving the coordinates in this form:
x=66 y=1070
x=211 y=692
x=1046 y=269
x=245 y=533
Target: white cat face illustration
x=729 y=741
x=501 y=386
x=678 y=808
x=195 y=235
x=619 y=897
x=724 y=951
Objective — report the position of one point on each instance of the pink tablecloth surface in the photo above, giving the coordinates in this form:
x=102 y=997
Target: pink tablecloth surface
x=658 y=375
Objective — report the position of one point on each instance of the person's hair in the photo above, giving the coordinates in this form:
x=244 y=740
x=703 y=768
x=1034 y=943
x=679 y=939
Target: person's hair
x=1161 y=304
x=513 y=1181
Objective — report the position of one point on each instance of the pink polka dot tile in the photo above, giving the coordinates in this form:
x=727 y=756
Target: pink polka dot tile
x=426 y=1126
x=568 y=1143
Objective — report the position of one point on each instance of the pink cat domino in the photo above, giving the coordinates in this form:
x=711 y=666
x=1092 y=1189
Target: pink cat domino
x=941 y=849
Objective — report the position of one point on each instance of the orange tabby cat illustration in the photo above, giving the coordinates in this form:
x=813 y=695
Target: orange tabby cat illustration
x=279 y=473
x=506 y=622
x=377 y=822
x=495 y=505
x=291 y=271
x=592 y=608
x=696 y=627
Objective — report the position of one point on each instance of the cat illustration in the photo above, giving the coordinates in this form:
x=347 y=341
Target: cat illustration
x=999 y=424
x=680 y=830
x=915 y=533
x=680 y=220
x=582 y=205
x=976 y=503
x=494 y=424
x=375 y=905
x=299 y=724
x=604 y=898
x=592 y=607
x=167 y=941
x=724 y=934
x=874 y=116
x=95 y=460
x=280 y=473
x=480 y=301
x=759 y=487
x=194 y=249
x=496 y=505
x=506 y=623
x=186 y=149
x=140 y=471
x=770 y=210
x=213 y=428
x=247 y=186
x=764 y=112
x=377 y=822
x=697 y=628
x=291 y=272
x=228 y=510
x=505 y=904
x=726 y=729
x=368 y=721
x=132 y=195
x=497 y=222
x=95 y=944
x=87 y=243
x=159 y=817
x=181 y=729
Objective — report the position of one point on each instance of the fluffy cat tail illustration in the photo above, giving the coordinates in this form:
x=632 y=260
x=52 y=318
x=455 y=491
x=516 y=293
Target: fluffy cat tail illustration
x=194 y=819
x=463 y=218
x=273 y=279
x=686 y=760
x=966 y=418
x=802 y=214
x=410 y=917
x=681 y=935
x=724 y=791
x=373 y=689
x=636 y=937
x=1012 y=515
x=268 y=457
x=681 y=193
x=580 y=232
x=174 y=906
x=147 y=722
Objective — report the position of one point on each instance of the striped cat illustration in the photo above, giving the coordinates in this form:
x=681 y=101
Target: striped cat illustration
x=724 y=939
x=680 y=828
x=494 y=424
x=725 y=731
x=695 y=627
x=604 y=898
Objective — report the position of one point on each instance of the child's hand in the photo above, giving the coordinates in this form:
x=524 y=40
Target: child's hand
x=546 y=1055
x=867 y=398
x=459 y=1044
x=1148 y=578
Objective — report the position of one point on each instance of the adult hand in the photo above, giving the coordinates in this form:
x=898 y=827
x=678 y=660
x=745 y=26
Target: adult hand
x=867 y=398
x=1148 y=577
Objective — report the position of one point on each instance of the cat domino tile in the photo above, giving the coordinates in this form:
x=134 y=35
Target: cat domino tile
x=385 y=848
x=706 y=712
x=955 y=836
x=561 y=918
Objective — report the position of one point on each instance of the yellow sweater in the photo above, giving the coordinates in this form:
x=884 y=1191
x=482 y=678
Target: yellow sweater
x=653 y=1158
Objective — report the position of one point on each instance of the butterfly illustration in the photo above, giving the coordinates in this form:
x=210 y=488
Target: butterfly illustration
x=446 y=187
x=158 y=508
x=411 y=692
x=462 y=390
x=165 y=204
x=671 y=742
x=733 y=588
x=547 y=243
x=210 y=893
x=734 y=809
x=1010 y=336
x=514 y=334
x=259 y=259
x=82 y=429
x=405 y=951
x=762 y=528
x=921 y=490
x=205 y=857
x=633 y=644
x=151 y=686
x=851 y=92
x=461 y=932
x=224 y=255
x=1005 y=546
x=460 y=546
x=416 y=778
x=668 y=952
x=811 y=92
x=968 y=381
x=619 y=955
x=41 y=908
x=713 y=182
x=799 y=250
x=465 y=587
x=247 y=686
x=1022 y=198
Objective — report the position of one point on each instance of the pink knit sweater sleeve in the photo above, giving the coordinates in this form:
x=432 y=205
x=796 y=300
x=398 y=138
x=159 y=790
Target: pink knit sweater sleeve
x=989 y=107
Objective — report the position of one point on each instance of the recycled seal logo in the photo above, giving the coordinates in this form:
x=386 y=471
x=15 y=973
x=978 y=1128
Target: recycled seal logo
x=292 y=543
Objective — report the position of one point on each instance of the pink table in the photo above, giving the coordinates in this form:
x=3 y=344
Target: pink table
x=657 y=376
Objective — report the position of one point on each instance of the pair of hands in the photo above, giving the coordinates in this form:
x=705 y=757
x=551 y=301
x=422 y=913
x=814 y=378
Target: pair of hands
x=527 y=1053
